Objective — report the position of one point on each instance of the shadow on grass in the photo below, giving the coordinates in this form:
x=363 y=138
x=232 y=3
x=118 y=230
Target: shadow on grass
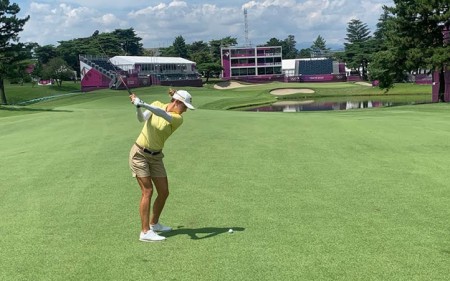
x=201 y=233
x=26 y=109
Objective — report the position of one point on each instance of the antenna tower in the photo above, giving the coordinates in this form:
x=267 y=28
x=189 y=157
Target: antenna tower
x=247 y=43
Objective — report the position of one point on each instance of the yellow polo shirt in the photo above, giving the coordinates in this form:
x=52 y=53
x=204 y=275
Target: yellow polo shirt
x=157 y=130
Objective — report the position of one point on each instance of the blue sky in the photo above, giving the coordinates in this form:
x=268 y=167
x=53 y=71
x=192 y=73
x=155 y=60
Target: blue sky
x=159 y=22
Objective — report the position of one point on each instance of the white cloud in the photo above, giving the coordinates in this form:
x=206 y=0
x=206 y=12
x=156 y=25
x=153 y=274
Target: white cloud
x=109 y=20
x=178 y=4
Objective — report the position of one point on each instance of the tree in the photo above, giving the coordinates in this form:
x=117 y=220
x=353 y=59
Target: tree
x=168 y=52
x=129 y=42
x=208 y=68
x=179 y=45
x=110 y=44
x=44 y=53
x=199 y=52
x=305 y=53
x=385 y=65
x=358 y=48
x=216 y=45
x=274 y=42
x=413 y=38
x=319 y=47
x=201 y=57
x=380 y=34
x=19 y=73
x=58 y=70
x=10 y=51
x=288 y=48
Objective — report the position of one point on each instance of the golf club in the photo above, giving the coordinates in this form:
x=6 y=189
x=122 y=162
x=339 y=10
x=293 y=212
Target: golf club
x=118 y=75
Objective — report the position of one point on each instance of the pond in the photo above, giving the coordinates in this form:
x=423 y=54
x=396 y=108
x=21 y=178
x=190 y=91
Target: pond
x=311 y=105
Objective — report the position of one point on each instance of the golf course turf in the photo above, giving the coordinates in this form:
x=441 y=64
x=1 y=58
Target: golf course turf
x=335 y=195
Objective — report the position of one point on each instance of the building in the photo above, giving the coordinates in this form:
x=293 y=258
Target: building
x=102 y=72
x=265 y=64
x=251 y=63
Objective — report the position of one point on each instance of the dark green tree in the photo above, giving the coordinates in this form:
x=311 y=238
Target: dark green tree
x=36 y=74
x=179 y=45
x=319 y=47
x=413 y=38
x=19 y=72
x=274 y=42
x=201 y=54
x=104 y=44
x=385 y=66
x=380 y=34
x=201 y=57
x=110 y=44
x=11 y=51
x=168 y=52
x=198 y=47
x=359 y=47
x=44 y=53
x=288 y=47
x=129 y=42
x=305 y=53
x=58 y=70
x=216 y=45
x=208 y=68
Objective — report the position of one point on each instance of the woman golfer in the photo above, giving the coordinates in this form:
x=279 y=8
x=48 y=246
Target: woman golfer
x=146 y=157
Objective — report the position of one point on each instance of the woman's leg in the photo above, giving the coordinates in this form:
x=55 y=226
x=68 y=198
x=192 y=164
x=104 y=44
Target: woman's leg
x=144 y=206
x=162 y=187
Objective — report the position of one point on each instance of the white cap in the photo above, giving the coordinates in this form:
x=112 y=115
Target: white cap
x=184 y=97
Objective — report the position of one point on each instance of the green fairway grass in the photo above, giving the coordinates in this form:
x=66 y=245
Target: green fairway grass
x=27 y=93
x=337 y=195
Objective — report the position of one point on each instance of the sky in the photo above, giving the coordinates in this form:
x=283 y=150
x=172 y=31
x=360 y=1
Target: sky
x=159 y=22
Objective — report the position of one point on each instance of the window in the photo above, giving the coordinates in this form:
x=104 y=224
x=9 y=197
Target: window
x=277 y=70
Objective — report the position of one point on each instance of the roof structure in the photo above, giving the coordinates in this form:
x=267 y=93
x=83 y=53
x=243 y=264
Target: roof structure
x=131 y=60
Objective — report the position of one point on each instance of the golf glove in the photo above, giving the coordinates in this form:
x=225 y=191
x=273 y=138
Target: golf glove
x=137 y=102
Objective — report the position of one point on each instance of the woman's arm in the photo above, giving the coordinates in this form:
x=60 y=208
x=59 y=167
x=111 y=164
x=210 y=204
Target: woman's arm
x=142 y=116
x=151 y=109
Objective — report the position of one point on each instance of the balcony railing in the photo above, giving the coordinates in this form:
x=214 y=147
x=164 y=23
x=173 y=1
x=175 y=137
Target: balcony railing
x=269 y=54
x=242 y=64
x=242 y=55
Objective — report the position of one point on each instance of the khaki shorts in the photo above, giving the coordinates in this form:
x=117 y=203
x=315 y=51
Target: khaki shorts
x=143 y=164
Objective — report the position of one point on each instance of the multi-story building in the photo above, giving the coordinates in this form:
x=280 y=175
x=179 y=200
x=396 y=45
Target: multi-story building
x=251 y=62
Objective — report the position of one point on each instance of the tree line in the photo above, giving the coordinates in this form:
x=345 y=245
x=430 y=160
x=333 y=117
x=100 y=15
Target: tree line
x=408 y=38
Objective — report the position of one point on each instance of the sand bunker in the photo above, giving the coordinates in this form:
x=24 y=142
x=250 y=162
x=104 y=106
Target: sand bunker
x=282 y=92
x=363 y=84
x=230 y=85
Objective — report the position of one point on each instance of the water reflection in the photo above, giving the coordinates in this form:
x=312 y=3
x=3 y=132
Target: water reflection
x=295 y=106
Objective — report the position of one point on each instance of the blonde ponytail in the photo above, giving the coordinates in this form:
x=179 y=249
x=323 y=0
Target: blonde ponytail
x=172 y=92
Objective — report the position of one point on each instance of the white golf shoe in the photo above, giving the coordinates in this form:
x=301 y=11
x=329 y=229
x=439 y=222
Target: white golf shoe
x=160 y=228
x=151 y=236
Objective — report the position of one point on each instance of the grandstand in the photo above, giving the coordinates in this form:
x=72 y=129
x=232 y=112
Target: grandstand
x=98 y=72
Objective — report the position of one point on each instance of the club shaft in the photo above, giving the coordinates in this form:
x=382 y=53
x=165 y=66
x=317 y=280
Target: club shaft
x=104 y=53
